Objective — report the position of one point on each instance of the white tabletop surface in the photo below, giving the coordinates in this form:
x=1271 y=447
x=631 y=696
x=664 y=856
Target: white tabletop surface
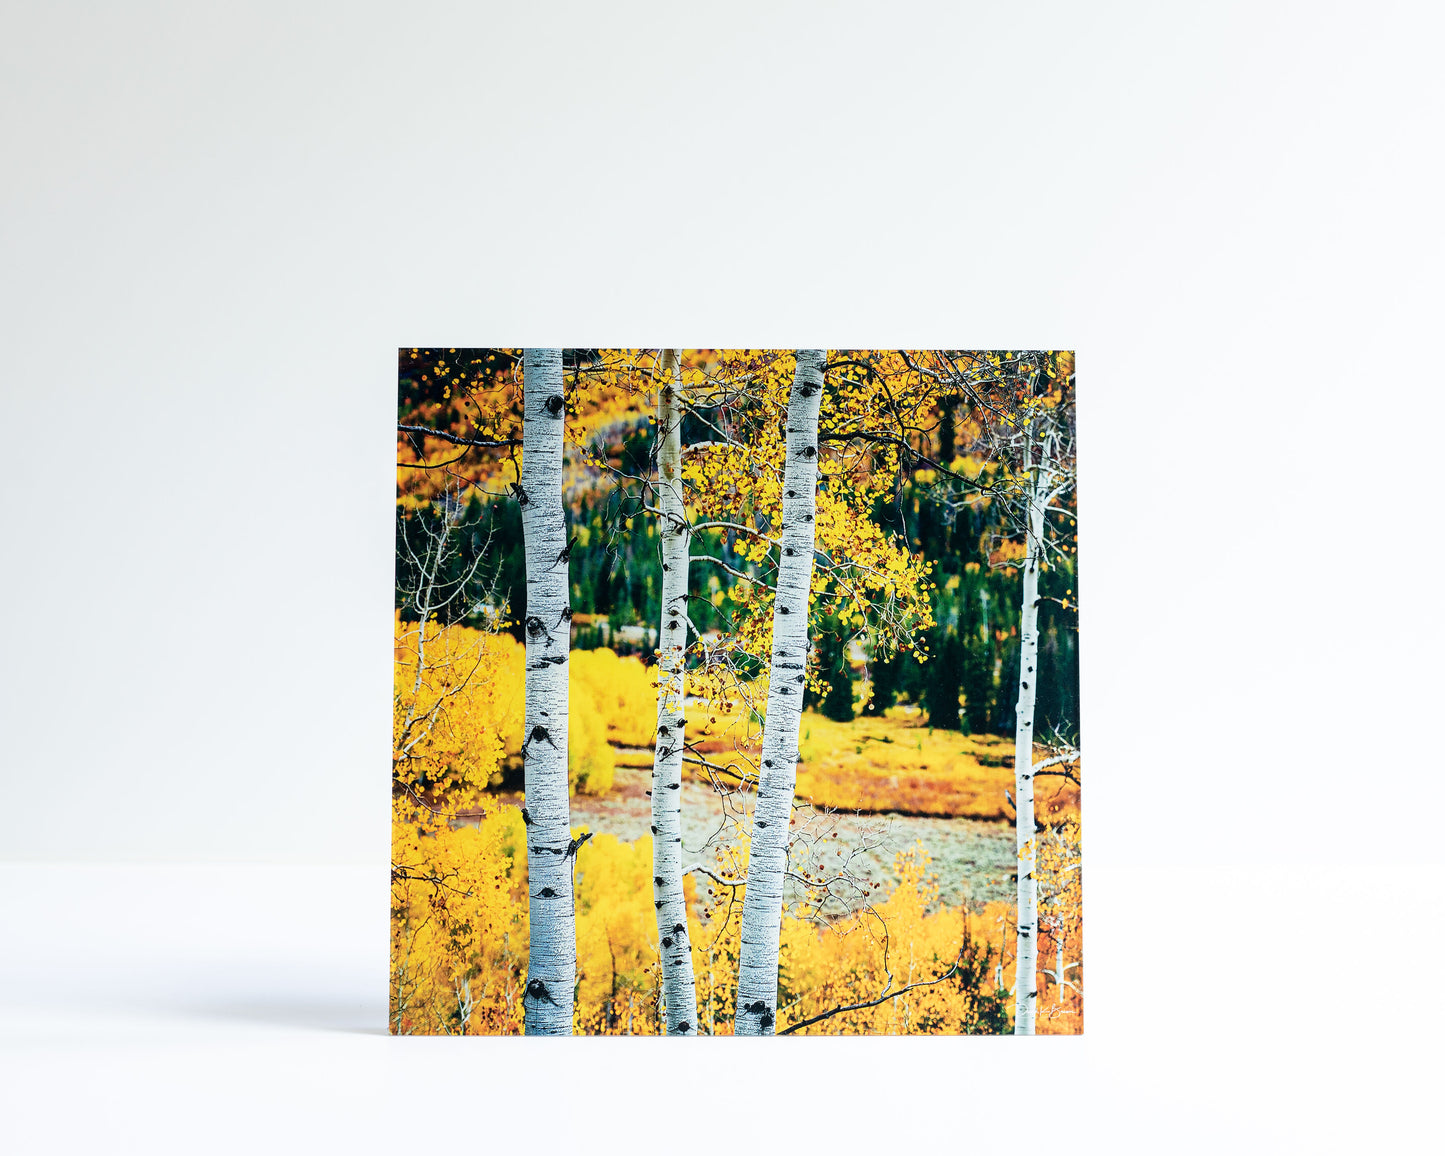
x=241 y=1008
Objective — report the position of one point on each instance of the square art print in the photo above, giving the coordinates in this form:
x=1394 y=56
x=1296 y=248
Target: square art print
x=736 y=693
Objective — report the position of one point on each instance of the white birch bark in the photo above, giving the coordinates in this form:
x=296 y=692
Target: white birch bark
x=1025 y=972
x=679 y=992
x=757 y=997
x=552 y=954
x=1060 y=971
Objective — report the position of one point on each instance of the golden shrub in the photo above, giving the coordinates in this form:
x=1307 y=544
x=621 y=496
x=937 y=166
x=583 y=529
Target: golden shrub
x=622 y=690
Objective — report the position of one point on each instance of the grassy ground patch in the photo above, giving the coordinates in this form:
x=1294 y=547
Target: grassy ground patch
x=899 y=763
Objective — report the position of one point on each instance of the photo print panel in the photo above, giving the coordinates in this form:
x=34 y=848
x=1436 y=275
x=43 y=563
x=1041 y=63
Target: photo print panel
x=736 y=692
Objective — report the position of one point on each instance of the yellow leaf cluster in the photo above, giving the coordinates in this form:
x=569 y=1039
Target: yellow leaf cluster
x=459 y=943
x=457 y=706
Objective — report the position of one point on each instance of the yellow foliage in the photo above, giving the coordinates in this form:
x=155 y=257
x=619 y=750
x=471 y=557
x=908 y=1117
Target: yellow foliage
x=865 y=576
x=612 y=700
x=481 y=399
x=456 y=707
x=617 y=959
x=590 y=761
x=897 y=945
x=622 y=690
x=457 y=722
x=895 y=764
x=458 y=925
x=459 y=945
x=1059 y=872
x=470 y=701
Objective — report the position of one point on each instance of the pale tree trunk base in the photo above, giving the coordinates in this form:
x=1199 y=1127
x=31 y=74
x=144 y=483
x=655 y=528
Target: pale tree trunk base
x=757 y=997
x=552 y=951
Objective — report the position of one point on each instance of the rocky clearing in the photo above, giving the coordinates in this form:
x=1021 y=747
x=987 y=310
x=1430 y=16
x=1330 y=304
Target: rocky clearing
x=973 y=860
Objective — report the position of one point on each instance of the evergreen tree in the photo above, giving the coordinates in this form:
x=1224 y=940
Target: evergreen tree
x=977 y=683
x=884 y=675
x=838 y=701
x=944 y=680
x=910 y=678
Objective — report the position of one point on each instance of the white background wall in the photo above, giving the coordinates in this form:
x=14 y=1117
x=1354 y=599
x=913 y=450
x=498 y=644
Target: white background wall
x=217 y=223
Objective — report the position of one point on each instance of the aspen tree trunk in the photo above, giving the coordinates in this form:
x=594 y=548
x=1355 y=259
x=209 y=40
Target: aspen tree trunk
x=552 y=955
x=1025 y=971
x=757 y=998
x=678 y=990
